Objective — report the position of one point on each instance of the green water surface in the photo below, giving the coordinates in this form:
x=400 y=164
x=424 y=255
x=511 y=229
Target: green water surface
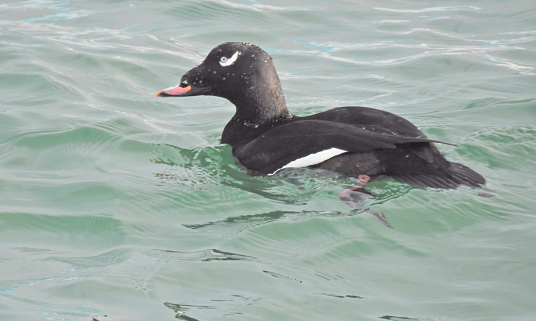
x=118 y=205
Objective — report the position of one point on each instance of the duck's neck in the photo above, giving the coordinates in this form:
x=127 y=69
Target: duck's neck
x=258 y=109
x=255 y=114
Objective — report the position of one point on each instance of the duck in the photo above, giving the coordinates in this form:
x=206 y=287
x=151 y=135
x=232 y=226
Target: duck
x=360 y=142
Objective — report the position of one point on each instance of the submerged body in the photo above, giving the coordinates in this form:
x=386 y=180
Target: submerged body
x=266 y=137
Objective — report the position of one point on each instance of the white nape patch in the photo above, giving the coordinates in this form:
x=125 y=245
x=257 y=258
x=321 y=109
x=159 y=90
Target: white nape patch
x=315 y=158
x=225 y=62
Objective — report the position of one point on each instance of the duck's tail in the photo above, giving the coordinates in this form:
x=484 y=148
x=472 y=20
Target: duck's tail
x=454 y=176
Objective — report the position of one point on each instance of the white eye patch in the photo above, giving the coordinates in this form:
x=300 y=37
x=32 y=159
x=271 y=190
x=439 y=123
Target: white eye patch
x=224 y=61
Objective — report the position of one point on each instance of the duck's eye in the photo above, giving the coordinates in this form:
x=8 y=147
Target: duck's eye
x=224 y=61
x=184 y=82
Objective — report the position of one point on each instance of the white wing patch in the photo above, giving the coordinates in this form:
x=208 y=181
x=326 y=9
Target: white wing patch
x=225 y=62
x=315 y=158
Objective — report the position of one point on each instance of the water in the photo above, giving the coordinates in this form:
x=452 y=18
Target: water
x=118 y=205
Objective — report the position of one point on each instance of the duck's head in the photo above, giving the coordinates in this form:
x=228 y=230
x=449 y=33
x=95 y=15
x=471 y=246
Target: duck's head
x=241 y=73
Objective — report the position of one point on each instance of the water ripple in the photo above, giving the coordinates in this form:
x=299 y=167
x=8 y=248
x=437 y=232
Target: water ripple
x=431 y=9
x=43 y=11
x=115 y=202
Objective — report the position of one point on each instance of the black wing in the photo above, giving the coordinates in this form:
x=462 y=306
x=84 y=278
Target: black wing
x=284 y=144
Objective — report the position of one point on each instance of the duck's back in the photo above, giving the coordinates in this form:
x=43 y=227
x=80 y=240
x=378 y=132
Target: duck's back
x=370 y=118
